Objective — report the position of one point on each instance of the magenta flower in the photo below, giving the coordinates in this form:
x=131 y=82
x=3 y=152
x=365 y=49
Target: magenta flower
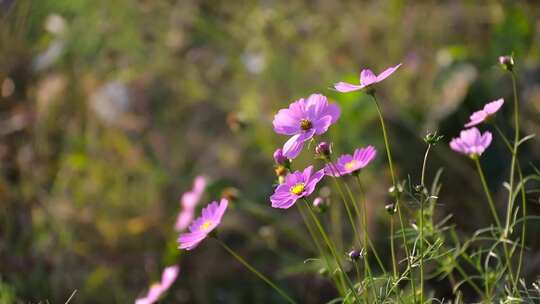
x=156 y=290
x=188 y=202
x=348 y=164
x=296 y=185
x=367 y=78
x=201 y=227
x=489 y=110
x=303 y=119
x=471 y=142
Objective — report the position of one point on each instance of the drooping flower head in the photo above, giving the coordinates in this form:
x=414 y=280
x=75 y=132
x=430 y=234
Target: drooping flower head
x=487 y=112
x=349 y=164
x=204 y=225
x=471 y=142
x=304 y=119
x=296 y=185
x=188 y=202
x=168 y=277
x=367 y=78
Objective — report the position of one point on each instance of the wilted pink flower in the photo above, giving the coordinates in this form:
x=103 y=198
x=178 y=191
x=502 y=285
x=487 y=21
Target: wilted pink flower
x=297 y=185
x=156 y=290
x=482 y=115
x=348 y=164
x=367 y=78
x=471 y=142
x=303 y=119
x=201 y=227
x=188 y=202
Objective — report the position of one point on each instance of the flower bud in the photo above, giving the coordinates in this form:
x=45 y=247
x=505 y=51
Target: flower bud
x=507 y=62
x=320 y=203
x=323 y=149
x=390 y=208
x=230 y=193
x=395 y=191
x=281 y=171
x=355 y=255
x=279 y=158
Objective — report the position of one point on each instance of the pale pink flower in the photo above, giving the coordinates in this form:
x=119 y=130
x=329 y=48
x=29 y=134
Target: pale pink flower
x=168 y=277
x=188 y=202
x=487 y=112
x=367 y=78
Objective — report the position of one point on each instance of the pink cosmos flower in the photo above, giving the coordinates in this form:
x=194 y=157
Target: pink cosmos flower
x=296 y=185
x=303 y=119
x=348 y=164
x=367 y=78
x=489 y=110
x=471 y=142
x=188 y=202
x=156 y=290
x=201 y=227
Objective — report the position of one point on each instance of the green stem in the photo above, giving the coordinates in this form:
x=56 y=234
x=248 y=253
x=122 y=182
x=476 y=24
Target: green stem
x=495 y=216
x=487 y=192
x=254 y=271
x=394 y=183
x=422 y=201
x=332 y=250
x=363 y=214
x=320 y=248
x=345 y=202
x=524 y=228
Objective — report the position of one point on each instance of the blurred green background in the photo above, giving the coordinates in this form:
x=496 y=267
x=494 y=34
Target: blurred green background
x=108 y=109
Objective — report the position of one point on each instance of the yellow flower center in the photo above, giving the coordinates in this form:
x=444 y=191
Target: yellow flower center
x=206 y=225
x=350 y=165
x=305 y=124
x=297 y=189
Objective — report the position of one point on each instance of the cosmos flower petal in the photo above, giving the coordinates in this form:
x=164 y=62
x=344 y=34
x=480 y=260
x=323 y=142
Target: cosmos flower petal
x=494 y=106
x=295 y=144
x=188 y=203
x=382 y=76
x=367 y=77
x=471 y=142
x=313 y=181
x=345 y=87
x=322 y=124
x=334 y=111
x=485 y=113
x=285 y=122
